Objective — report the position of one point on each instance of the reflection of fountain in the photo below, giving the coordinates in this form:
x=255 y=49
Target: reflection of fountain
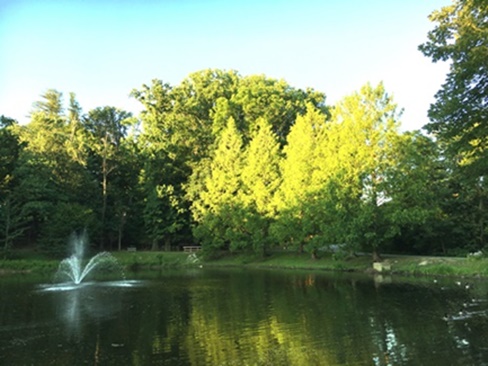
x=87 y=304
x=71 y=269
x=77 y=304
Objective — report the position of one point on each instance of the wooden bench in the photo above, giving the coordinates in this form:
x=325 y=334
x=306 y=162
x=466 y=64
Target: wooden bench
x=191 y=248
x=132 y=249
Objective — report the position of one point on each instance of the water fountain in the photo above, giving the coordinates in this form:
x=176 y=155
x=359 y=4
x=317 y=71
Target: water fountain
x=82 y=298
x=73 y=270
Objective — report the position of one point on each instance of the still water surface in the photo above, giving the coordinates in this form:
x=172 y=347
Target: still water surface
x=243 y=317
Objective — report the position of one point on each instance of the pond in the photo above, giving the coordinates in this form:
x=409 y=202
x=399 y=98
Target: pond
x=244 y=317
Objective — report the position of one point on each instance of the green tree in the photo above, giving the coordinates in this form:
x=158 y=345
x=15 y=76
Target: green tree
x=163 y=216
x=182 y=125
x=260 y=182
x=194 y=113
x=106 y=128
x=157 y=129
x=9 y=151
x=422 y=197
x=274 y=100
x=299 y=153
x=216 y=209
x=260 y=174
x=124 y=214
x=193 y=103
x=165 y=210
x=165 y=168
x=458 y=117
x=51 y=179
x=459 y=113
x=297 y=184
x=50 y=104
x=77 y=139
x=12 y=220
x=371 y=119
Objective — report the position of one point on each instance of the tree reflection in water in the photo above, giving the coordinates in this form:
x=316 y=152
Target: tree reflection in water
x=249 y=317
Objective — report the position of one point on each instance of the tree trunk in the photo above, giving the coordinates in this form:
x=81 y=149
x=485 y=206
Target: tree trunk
x=376 y=255
x=154 y=246
x=104 y=200
x=7 y=226
x=119 y=239
x=167 y=244
x=121 y=229
x=482 y=222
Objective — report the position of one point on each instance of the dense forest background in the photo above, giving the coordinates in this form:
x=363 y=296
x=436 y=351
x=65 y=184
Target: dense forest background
x=250 y=163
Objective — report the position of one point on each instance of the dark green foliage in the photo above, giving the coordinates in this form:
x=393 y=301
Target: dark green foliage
x=459 y=117
x=12 y=220
x=459 y=114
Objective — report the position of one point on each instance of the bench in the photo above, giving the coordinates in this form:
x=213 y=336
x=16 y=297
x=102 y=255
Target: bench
x=191 y=248
x=132 y=249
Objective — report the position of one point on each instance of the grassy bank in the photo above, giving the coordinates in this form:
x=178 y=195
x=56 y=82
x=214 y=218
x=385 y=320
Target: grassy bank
x=404 y=265
x=153 y=260
x=26 y=262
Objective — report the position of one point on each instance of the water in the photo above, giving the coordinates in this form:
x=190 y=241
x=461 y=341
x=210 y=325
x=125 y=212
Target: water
x=244 y=317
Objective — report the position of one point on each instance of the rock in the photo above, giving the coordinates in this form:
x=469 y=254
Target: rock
x=382 y=267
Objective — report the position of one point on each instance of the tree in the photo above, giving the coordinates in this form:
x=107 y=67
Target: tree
x=194 y=113
x=217 y=207
x=157 y=129
x=370 y=119
x=297 y=171
x=124 y=214
x=274 y=100
x=426 y=201
x=260 y=182
x=9 y=150
x=297 y=166
x=182 y=125
x=51 y=104
x=165 y=210
x=76 y=142
x=52 y=176
x=165 y=168
x=12 y=220
x=459 y=116
x=164 y=216
x=193 y=101
x=107 y=128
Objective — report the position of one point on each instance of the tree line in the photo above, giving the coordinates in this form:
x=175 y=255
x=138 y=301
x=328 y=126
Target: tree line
x=251 y=163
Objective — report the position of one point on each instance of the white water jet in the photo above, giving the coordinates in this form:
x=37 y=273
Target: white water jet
x=73 y=270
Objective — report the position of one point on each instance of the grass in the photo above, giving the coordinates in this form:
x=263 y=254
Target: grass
x=440 y=266
x=28 y=265
x=31 y=261
x=404 y=265
x=137 y=260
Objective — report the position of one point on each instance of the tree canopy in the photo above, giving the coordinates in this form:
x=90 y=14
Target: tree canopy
x=253 y=164
x=459 y=114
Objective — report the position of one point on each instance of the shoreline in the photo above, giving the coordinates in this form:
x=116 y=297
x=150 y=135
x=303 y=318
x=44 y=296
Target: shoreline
x=403 y=265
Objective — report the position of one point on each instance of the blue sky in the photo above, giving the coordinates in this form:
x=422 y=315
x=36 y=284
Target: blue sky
x=103 y=49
